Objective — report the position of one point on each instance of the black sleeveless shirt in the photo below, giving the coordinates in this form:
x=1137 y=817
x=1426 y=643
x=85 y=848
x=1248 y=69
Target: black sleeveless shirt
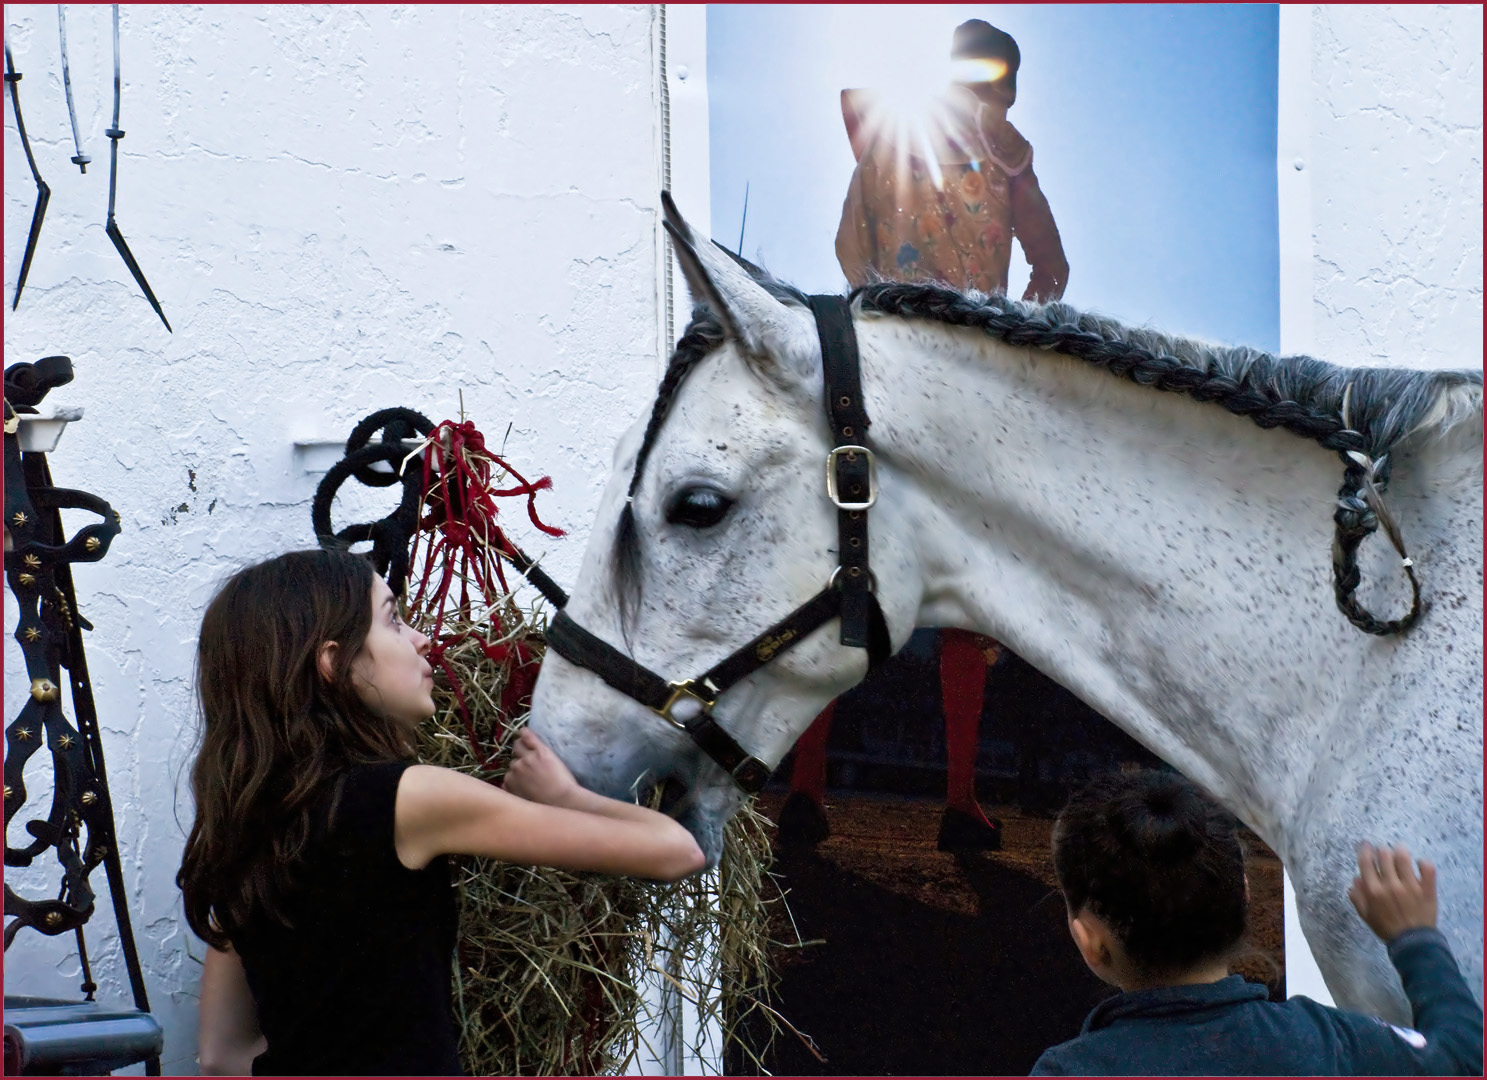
x=361 y=984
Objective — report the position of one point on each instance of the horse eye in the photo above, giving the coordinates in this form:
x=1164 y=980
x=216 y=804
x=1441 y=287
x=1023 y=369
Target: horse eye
x=698 y=508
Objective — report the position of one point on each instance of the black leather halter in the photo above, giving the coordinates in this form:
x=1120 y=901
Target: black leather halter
x=851 y=484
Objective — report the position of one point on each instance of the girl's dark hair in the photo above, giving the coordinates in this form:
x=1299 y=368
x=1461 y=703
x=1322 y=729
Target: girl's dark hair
x=1159 y=863
x=275 y=734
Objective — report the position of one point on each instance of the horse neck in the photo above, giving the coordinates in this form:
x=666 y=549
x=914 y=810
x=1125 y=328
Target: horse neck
x=1166 y=561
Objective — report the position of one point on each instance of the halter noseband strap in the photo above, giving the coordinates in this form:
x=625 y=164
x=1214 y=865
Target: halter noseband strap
x=851 y=484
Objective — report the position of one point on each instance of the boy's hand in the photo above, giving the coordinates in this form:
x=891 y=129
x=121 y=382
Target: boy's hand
x=1388 y=895
x=537 y=774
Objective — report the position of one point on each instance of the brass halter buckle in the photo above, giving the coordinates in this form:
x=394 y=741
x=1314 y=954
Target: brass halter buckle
x=704 y=693
x=850 y=452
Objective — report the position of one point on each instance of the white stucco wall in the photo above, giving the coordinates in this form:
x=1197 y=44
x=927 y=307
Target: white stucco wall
x=1381 y=156
x=1397 y=184
x=1380 y=182
x=340 y=209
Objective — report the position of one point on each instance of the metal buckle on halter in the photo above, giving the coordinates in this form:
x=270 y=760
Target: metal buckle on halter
x=704 y=693
x=872 y=477
x=872 y=579
x=750 y=774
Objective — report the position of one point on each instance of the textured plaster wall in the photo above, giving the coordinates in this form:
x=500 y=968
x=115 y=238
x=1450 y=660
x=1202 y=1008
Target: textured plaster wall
x=340 y=208
x=1380 y=186
x=1396 y=160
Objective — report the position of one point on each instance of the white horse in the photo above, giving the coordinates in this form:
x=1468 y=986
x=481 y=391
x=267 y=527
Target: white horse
x=1169 y=562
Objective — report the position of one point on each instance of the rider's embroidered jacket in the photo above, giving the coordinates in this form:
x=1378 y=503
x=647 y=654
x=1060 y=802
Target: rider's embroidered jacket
x=952 y=219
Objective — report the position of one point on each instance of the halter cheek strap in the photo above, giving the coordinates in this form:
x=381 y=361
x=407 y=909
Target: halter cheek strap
x=851 y=484
x=851 y=475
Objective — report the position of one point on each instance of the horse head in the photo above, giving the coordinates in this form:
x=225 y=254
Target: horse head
x=715 y=524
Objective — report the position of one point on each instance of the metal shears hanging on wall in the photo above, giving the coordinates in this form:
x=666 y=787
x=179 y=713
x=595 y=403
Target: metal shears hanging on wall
x=43 y=192
x=114 y=134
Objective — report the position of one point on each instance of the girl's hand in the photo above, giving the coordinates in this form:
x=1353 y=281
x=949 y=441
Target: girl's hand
x=1388 y=895
x=537 y=774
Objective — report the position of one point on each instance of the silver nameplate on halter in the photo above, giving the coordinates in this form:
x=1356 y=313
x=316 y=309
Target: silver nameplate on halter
x=872 y=477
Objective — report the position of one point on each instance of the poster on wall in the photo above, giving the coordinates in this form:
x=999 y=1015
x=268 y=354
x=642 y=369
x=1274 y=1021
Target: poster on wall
x=1121 y=159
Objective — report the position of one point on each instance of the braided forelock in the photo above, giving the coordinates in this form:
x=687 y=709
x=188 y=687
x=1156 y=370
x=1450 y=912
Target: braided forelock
x=1301 y=394
x=703 y=334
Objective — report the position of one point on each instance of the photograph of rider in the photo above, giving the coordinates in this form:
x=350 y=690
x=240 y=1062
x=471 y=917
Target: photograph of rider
x=1120 y=158
x=941 y=201
x=1160 y=163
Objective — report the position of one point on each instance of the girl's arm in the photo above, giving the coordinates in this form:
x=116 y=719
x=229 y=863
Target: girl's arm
x=541 y=818
x=227 y=1034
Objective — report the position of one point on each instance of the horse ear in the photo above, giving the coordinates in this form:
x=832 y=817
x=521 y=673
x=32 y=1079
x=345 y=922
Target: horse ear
x=775 y=339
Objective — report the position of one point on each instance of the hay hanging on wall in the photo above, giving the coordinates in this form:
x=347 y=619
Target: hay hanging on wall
x=550 y=963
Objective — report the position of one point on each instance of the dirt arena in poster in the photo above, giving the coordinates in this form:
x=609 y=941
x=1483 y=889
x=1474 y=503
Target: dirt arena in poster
x=937 y=963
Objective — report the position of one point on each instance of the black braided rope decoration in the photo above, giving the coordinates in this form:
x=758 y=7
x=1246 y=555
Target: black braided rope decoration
x=1364 y=479
x=391 y=536
x=79 y=826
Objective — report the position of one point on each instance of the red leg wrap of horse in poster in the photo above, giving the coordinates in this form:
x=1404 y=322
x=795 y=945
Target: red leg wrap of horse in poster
x=964 y=659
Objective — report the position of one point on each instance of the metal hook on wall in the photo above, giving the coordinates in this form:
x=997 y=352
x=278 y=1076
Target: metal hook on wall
x=43 y=192
x=115 y=133
x=80 y=159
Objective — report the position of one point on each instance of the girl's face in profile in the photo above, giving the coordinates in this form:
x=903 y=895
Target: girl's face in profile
x=391 y=672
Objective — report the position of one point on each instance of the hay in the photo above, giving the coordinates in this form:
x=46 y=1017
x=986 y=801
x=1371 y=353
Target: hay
x=550 y=964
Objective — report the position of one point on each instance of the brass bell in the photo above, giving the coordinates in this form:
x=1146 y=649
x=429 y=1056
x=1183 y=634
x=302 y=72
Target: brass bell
x=44 y=690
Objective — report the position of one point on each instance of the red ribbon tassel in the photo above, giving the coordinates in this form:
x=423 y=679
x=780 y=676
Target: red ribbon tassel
x=461 y=541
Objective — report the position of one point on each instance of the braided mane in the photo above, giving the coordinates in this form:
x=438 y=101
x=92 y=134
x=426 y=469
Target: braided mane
x=1361 y=413
x=1302 y=394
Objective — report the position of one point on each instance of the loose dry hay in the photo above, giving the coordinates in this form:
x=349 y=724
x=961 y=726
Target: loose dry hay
x=549 y=962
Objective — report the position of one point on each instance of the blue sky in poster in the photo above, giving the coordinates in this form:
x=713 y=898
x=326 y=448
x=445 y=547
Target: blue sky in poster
x=1153 y=128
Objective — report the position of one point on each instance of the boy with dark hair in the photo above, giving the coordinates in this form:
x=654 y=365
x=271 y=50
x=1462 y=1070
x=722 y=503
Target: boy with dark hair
x=1153 y=877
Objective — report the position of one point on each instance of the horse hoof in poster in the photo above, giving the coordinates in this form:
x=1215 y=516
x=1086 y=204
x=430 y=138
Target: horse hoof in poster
x=960 y=831
x=802 y=821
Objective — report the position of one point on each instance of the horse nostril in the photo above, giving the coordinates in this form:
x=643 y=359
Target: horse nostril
x=673 y=791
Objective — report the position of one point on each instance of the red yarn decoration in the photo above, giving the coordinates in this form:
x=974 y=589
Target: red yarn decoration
x=465 y=545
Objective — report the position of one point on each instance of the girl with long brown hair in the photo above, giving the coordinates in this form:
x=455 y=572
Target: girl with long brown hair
x=316 y=868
